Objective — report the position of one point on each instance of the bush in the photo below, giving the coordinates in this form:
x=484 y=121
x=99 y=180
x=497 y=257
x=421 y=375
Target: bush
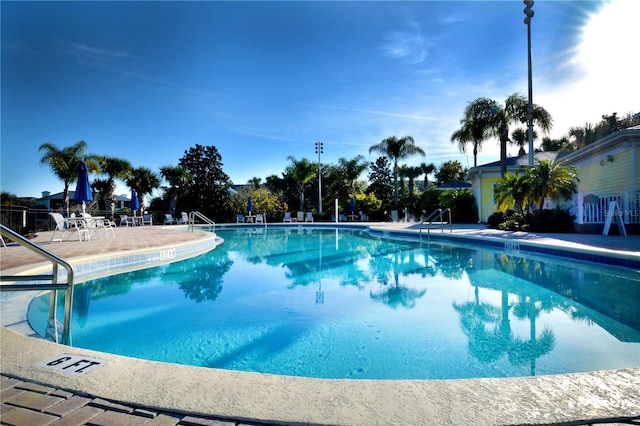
x=515 y=222
x=462 y=204
x=495 y=219
x=556 y=220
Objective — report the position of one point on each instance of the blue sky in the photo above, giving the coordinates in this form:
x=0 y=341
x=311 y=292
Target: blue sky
x=146 y=81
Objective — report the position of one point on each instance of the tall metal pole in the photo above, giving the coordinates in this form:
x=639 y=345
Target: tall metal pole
x=319 y=150
x=527 y=20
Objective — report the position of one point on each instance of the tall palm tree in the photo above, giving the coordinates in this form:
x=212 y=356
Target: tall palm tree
x=144 y=181
x=475 y=126
x=177 y=177
x=114 y=168
x=549 y=179
x=412 y=174
x=64 y=163
x=485 y=118
x=302 y=172
x=396 y=149
x=352 y=169
x=427 y=169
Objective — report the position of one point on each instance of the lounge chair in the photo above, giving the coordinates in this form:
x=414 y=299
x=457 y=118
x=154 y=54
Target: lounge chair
x=168 y=219
x=309 y=217
x=185 y=218
x=63 y=226
x=147 y=219
x=125 y=220
x=287 y=217
x=259 y=218
x=239 y=218
x=300 y=217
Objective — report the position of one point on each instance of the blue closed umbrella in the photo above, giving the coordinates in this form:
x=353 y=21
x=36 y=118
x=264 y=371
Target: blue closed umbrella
x=135 y=205
x=249 y=206
x=352 y=206
x=83 y=189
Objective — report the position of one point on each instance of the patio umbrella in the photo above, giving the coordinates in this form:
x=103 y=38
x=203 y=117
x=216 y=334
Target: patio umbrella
x=249 y=206
x=352 y=206
x=83 y=189
x=135 y=204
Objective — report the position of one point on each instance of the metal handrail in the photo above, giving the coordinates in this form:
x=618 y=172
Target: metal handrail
x=438 y=213
x=54 y=286
x=194 y=214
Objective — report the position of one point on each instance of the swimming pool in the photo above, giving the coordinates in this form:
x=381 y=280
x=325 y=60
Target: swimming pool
x=344 y=304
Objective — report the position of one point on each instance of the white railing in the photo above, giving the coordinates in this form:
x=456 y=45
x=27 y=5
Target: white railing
x=593 y=208
x=206 y=220
x=34 y=282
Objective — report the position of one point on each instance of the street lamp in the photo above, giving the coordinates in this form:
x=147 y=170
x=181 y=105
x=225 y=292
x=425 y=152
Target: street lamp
x=527 y=20
x=319 y=150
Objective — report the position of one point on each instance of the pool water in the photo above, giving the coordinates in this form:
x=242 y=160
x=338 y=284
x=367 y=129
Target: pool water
x=341 y=303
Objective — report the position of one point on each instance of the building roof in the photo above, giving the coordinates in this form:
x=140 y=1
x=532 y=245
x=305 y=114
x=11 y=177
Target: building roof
x=515 y=163
x=456 y=184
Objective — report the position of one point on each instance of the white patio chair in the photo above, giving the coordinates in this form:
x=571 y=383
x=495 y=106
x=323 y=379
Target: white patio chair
x=287 y=217
x=308 y=217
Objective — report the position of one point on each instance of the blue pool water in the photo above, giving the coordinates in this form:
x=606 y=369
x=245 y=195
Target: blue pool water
x=344 y=304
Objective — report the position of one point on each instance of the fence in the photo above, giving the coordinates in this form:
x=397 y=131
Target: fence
x=593 y=208
x=24 y=220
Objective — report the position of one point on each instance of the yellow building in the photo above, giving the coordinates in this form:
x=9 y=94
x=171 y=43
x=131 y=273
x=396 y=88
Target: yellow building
x=608 y=170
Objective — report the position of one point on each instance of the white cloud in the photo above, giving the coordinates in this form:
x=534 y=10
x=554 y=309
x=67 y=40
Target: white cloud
x=409 y=46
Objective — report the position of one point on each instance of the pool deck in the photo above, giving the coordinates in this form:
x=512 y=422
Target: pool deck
x=123 y=391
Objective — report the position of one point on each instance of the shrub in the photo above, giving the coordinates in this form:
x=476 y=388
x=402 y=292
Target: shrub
x=555 y=220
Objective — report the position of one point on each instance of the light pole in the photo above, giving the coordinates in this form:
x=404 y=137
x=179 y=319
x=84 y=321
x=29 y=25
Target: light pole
x=527 y=20
x=319 y=151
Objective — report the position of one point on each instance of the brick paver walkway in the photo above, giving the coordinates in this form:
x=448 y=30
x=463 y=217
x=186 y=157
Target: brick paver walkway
x=30 y=404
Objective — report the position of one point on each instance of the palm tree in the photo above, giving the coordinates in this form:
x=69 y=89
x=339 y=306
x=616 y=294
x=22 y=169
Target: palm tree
x=177 y=177
x=352 y=169
x=427 y=169
x=64 y=163
x=485 y=118
x=114 y=168
x=101 y=186
x=302 y=172
x=475 y=126
x=255 y=182
x=519 y=138
x=412 y=174
x=395 y=149
x=510 y=191
x=144 y=181
x=550 y=180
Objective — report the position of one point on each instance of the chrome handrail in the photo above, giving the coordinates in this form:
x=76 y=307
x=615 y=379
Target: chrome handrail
x=194 y=214
x=54 y=286
x=431 y=218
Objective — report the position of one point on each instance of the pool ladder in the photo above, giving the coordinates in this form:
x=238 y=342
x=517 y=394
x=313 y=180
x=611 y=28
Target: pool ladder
x=34 y=282
x=435 y=218
x=192 y=221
